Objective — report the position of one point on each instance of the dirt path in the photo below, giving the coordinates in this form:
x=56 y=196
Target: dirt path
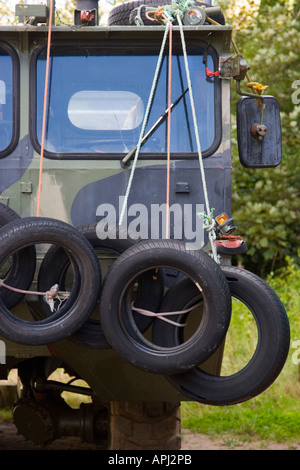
x=194 y=441
x=9 y=440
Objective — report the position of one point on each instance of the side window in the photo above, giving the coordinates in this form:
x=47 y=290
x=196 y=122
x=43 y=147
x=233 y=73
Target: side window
x=105 y=110
x=97 y=101
x=8 y=100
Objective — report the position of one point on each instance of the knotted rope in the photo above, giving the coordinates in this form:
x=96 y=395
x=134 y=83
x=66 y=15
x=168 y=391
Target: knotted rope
x=168 y=14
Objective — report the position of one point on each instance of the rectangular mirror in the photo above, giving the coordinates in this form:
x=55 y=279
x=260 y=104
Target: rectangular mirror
x=259 y=144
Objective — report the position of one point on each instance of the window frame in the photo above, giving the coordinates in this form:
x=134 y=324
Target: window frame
x=111 y=47
x=15 y=134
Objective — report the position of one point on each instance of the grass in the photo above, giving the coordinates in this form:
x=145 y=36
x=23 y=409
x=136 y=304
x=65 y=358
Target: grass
x=275 y=414
x=261 y=419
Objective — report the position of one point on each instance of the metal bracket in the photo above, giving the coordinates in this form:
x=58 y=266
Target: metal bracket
x=86 y=17
x=26 y=187
x=4 y=200
x=233 y=67
x=32 y=14
x=41 y=386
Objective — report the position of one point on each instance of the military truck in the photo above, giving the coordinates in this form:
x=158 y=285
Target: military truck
x=98 y=137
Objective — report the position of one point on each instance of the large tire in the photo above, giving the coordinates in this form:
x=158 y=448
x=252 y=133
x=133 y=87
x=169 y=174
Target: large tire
x=27 y=232
x=22 y=266
x=116 y=311
x=271 y=350
x=54 y=269
x=145 y=426
x=122 y=14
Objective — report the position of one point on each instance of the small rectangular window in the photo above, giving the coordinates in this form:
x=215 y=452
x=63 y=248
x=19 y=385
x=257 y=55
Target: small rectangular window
x=97 y=101
x=8 y=102
x=94 y=110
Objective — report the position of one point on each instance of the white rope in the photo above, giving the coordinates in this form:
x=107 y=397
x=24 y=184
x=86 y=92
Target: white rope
x=161 y=315
x=210 y=225
x=156 y=74
x=49 y=296
x=209 y=220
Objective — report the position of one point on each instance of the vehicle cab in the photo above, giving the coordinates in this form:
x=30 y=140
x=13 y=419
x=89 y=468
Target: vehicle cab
x=82 y=134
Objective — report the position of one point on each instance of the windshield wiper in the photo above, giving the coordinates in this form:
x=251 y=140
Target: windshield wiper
x=154 y=127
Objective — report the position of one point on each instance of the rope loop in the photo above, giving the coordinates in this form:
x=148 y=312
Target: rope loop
x=49 y=296
x=168 y=14
x=177 y=8
x=161 y=315
x=145 y=121
x=209 y=222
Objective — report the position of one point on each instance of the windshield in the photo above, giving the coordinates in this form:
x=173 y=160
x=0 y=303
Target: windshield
x=97 y=102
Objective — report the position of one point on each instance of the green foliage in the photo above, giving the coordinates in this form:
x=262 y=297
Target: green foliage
x=286 y=283
x=265 y=202
x=265 y=206
x=5 y=414
x=7 y=12
x=241 y=339
x=65 y=15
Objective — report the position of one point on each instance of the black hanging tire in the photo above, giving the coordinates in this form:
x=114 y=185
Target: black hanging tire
x=273 y=338
x=116 y=311
x=37 y=230
x=124 y=14
x=54 y=269
x=7 y=215
x=22 y=266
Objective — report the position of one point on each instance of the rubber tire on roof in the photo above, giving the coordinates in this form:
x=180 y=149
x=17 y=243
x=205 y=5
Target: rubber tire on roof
x=272 y=345
x=121 y=15
x=22 y=267
x=116 y=313
x=26 y=232
x=53 y=270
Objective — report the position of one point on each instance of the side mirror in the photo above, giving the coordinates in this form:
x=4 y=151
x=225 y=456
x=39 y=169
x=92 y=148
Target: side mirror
x=259 y=141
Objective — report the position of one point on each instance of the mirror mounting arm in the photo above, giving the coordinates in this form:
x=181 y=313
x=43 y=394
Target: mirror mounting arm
x=258 y=130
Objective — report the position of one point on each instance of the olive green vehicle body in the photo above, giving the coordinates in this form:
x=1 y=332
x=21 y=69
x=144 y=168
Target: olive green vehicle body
x=110 y=377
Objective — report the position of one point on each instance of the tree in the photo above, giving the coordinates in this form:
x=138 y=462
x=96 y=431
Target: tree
x=266 y=202
x=7 y=12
